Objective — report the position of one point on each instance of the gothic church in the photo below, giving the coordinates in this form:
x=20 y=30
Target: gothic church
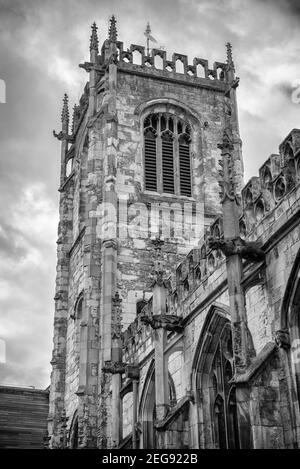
x=178 y=287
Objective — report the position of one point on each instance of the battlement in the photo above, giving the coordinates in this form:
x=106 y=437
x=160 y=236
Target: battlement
x=135 y=59
x=277 y=177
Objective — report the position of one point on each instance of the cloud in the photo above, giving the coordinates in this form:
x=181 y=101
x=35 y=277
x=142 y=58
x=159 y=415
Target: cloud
x=27 y=285
x=42 y=43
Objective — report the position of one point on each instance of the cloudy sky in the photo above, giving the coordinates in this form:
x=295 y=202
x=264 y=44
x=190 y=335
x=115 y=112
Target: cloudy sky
x=42 y=43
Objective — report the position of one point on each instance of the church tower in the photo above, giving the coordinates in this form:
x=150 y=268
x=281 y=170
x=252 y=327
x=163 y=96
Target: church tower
x=139 y=167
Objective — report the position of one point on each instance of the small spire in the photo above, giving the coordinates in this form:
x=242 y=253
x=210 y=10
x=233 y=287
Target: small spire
x=65 y=109
x=229 y=55
x=113 y=33
x=94 y=43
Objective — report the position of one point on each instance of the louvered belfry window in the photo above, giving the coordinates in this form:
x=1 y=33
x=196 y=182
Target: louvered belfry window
x=167 y=154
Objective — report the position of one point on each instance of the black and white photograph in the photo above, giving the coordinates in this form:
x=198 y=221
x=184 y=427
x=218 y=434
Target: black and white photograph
x=149 y=227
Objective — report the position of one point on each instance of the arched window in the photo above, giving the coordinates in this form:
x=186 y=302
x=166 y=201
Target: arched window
x=167 y=154
x=215 y=393
x=74 y=432
x=223 y=393
x=69 y=167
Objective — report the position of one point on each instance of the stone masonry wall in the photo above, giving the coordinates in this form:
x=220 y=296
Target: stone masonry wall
x=278 y=232
x=136 y=255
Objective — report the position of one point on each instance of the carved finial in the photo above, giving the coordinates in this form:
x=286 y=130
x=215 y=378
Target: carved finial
x=116 y=319
x=65 y=109
x=226 y=183
x=113 y=33
x=157 y=243
x=226 y=145
x=94 y=38
x=230 y=62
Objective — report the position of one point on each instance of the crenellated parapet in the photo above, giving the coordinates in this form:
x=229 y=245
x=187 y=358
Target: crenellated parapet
x=277 y=177
x=135 y=58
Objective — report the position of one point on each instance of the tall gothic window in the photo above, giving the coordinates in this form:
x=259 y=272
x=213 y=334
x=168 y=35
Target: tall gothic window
x=223 y=394
x=213 y=367
x=167 y=154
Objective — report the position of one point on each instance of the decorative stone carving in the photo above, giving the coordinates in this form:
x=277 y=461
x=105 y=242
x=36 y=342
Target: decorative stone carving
x=226 y=182
x=280 y=188
x=282 y=339
x=245 y=249
x=233 y=85
x=114 y=367
x=169 y=322
x=63 y=136
x=116 y=320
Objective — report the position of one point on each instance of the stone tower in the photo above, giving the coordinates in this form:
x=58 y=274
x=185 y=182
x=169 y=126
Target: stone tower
x=138 y=165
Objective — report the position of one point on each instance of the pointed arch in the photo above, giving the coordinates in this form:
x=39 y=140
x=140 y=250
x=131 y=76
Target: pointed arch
x=169 y=104
x=290 y=326
x=291 y=298
x=212 y=371
x=217 y=313
x=73 y=434
x=147 y=409
x=78 y=306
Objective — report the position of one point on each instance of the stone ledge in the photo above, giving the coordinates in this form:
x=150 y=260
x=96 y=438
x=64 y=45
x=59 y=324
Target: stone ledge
x=173 y=413
x=259 y=361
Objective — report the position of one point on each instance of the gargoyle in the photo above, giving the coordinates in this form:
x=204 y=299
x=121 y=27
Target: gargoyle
x=62 y=136
x=169 y=322
x=245 y=249
x=233 y=85
x=87 y=66
x=114 y=367
x=282 y=339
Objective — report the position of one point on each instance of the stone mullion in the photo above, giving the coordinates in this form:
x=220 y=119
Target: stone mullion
x=176 y=160
x=159 y=169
